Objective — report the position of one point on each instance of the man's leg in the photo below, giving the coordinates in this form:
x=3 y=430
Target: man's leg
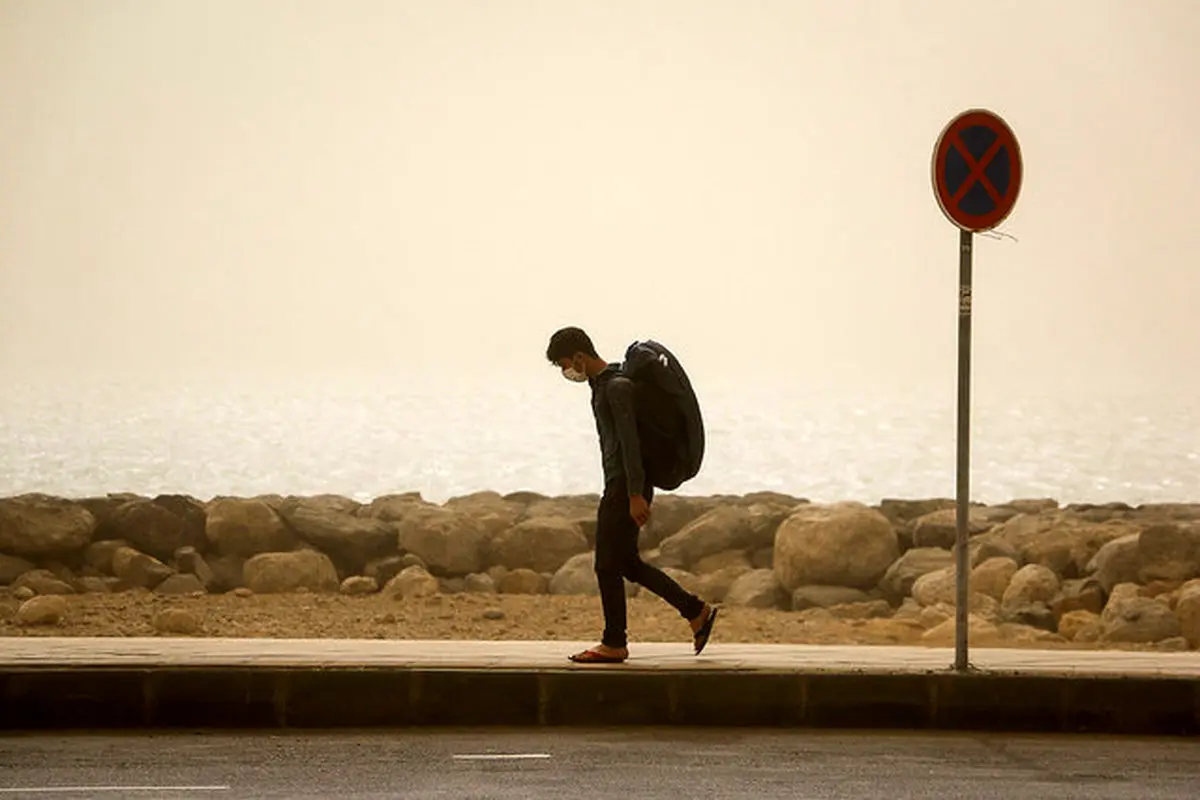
x=614 y=528
x=689 y=606
x=617 y=558
x=629 y=564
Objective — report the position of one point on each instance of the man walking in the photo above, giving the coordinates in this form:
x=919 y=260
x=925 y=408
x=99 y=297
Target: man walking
x=638 y=433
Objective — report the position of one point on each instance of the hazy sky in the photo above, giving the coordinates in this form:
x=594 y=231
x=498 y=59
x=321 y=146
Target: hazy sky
x=225 y=185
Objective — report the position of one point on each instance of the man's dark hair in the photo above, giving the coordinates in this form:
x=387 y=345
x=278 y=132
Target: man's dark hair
x=567 y=342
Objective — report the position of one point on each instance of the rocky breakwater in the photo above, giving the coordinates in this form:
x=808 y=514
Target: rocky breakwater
x=1041 y=573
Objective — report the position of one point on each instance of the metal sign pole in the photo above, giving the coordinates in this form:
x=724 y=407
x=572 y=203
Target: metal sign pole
x=962 y=571
x=977 y=173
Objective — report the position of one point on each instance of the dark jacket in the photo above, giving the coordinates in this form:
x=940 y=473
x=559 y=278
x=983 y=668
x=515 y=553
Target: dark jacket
x=613 y=407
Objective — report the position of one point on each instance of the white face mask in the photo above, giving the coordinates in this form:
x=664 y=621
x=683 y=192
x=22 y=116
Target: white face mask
x=574 y=375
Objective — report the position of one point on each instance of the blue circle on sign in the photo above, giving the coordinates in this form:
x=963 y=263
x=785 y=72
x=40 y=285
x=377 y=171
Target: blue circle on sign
x=978 y=139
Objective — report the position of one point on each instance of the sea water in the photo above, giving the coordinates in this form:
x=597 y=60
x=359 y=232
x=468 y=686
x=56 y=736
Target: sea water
x=364 y=439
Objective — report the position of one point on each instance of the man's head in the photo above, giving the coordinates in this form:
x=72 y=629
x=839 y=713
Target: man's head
x=572 y=351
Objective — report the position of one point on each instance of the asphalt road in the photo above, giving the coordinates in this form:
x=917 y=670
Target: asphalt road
x=569 y=763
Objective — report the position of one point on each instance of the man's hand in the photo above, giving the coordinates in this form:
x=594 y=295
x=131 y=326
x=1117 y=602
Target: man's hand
x=639 y=509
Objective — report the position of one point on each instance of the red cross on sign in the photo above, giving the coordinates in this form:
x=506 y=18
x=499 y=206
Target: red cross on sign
x=977 y=170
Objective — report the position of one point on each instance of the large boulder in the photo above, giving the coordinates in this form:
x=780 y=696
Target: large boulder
x=139 y=569
x=720 y=561
x=275 y=501
x=43 y=582
x=189 y=562
x=1060 y=540
x=103 y=508
x=806 y=597
x=1130 y=618
x=576 y=577
x=542 y=544
x=901 y=512
x=480 y=583
x=940 y=528
x=1168 y=512
x=898 y=581
x=1067 y=551
x=1032 y=505
x=48 y=610
x=388 y=567
x=670 y=513
x=575 y=507
x=936 y=596
x=99 y=555
x=228 y=573
x=449 y=542
x=1034 y=615
x=993 y=577
x=246 y=528
x=757 y=589
x=716 y=585
x=1079 y=625
x=580 y=509
x=1116 y=562
x=985 y=606
x=765 y=519
x=1031 y=584
x=726 y=527
x=161 y=526
x=845 y=544
x=722 y=529
x=489 y=510
x=769 y=497
x=524 y=497
x=333 y=503
x=937 y=587
x=1078 y=594
x=39 y=526
x=1187 y=610
x=1169 y=552
x=12 y=567
x=350 y=541
x=273 y=573
x=485 y=502
x=987 y=546
x=1102 y=512
x=393 y=507
x=522 y=581
x=412 y=582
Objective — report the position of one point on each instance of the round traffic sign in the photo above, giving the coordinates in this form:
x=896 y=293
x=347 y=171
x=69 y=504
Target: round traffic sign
x=977 y=170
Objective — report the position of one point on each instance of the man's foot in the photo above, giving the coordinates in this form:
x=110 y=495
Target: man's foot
x=601 y=654
x=702 y=627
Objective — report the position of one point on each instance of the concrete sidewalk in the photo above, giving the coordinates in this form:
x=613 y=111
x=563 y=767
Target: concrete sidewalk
x=172 y=682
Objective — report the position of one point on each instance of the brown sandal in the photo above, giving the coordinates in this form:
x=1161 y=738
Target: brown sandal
x=596 y=657
x=700 y=638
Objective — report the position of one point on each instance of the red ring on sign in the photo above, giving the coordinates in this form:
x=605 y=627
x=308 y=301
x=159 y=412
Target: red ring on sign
x=1005 y=140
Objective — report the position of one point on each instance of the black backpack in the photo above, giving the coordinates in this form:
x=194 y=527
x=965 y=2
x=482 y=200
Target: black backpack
x=669 y=421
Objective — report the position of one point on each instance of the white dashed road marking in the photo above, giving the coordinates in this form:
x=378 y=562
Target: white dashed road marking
x=93 y=789
x=500 y=756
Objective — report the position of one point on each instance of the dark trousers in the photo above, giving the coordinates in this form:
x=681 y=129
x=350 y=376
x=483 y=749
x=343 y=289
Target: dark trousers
x=617 y=558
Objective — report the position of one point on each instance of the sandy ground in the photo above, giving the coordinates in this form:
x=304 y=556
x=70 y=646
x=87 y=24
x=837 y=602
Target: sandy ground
x=520 y=617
